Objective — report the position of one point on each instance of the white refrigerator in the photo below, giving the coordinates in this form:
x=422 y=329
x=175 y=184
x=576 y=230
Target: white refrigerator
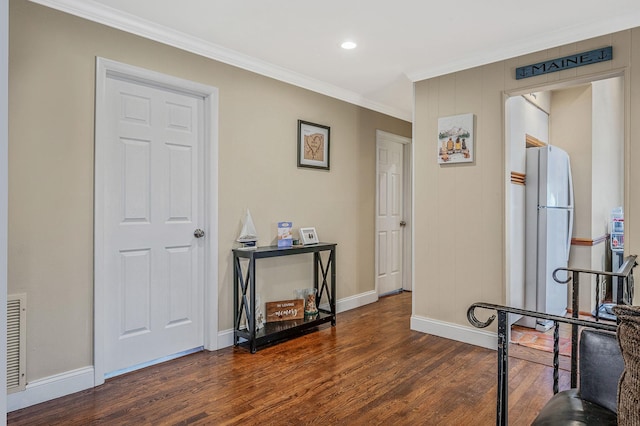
x=548 y=230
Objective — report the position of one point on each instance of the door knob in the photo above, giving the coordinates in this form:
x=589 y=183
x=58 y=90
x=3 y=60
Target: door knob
x=403 y=223
x=198 y=233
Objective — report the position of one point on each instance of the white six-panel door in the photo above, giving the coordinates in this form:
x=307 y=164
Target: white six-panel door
x=389 y=215
x=153 y=265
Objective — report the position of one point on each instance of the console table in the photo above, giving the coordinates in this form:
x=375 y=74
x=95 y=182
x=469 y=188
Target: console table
x=244 y=294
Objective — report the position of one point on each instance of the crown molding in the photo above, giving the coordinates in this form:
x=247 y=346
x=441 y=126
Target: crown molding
x=132 y=24
x=391 y=137
x=566 y=35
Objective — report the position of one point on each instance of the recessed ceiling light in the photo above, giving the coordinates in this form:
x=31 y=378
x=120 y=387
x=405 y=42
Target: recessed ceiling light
x=348 y=45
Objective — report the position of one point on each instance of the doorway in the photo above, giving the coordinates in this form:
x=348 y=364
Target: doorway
x=155 y=218
x=586 y=118
x=393 y=210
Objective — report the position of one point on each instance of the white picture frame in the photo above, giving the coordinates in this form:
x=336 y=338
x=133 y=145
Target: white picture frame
x=308 y=236
x=456 y=139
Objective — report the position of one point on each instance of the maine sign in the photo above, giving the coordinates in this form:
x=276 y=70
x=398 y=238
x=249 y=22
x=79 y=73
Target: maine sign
x=565 y=63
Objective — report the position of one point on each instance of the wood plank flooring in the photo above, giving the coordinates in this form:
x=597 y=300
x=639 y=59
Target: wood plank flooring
x=371 y=369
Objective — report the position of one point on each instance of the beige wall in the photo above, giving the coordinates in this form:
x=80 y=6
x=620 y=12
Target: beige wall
x=607 y=164
x=608 y=152
x=570 y=129
x=460 y=235
x=51 y=112
x=595 y=146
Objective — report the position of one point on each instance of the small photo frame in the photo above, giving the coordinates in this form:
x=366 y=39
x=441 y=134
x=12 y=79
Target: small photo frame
x=308 y=236
x=455 y=139
x=313 y=145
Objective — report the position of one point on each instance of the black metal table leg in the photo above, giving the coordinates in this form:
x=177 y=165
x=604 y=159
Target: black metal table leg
x=251 y=312
x=324 y=269
x=241 y=303
x=503 y=370
x=332 y=257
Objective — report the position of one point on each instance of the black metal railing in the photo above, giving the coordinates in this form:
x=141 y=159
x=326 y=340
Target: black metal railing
x=625 y=273
x=624 y=276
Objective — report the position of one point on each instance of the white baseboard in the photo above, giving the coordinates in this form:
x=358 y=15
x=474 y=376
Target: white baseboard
x=485 y=339
x=225 y=338
x=356 y=301
x=51 y=387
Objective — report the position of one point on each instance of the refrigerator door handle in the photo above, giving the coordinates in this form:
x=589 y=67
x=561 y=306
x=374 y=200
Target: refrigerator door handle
x=569 y=232
x=570 y=200
x=570 y=205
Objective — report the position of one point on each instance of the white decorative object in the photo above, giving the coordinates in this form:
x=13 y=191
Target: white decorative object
x=259 y=314
x=248 y=235
x=309 y=297
x=308 y=236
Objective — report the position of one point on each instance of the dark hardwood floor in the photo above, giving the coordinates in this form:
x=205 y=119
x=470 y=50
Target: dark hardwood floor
x=370 y=369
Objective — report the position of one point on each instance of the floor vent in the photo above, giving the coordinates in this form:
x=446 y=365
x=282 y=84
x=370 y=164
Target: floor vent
x=16 y=327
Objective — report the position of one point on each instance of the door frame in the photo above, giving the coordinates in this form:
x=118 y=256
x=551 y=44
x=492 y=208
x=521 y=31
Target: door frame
x=407 y=208
x=4 y=198
x=105 y=69
x=550 y=86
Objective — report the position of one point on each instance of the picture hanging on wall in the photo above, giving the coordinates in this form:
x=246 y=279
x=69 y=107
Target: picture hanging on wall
x=455 y=139
x=313 y=145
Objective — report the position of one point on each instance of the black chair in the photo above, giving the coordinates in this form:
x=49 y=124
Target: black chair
x=595 y=401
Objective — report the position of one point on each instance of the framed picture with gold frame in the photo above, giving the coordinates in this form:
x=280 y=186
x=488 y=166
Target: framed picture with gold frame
x=313 y=145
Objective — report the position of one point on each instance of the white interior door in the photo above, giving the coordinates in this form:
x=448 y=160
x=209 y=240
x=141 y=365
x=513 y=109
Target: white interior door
x=389 y=216
x=153 y=263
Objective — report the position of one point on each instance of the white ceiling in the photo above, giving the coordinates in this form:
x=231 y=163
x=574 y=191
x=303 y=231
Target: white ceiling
x=399 y=41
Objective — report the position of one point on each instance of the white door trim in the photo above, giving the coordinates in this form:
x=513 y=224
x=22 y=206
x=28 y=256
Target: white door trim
x=381 y=135
x=4 y=198
x=106 y=68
